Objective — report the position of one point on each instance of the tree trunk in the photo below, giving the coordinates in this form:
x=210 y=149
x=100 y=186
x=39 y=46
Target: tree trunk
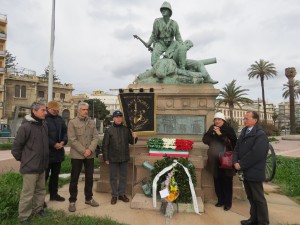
x=231 y=112
x=292 y=106
x=263 y=97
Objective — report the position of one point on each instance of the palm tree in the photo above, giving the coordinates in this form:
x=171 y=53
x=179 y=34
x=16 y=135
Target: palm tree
x=286 y=93
x=262 y=70
x=231 y=95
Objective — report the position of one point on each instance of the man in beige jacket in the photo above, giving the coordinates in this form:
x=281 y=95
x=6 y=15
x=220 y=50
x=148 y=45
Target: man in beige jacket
x=83 y=139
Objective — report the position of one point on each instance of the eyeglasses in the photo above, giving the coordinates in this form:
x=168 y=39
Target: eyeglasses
x=248 y=118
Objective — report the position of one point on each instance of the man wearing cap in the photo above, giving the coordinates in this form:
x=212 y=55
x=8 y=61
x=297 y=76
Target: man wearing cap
x=163 y=33
x=116 y=154
x=83 y=139
x=57 y=133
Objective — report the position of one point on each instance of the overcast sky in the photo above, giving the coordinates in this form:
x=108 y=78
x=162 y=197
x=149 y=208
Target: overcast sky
x=95 y=50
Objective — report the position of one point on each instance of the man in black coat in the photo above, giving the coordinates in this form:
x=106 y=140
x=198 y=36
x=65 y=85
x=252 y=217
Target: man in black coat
x=57 y=133
x=116 y=154
x=31 y=149
x=249 y=157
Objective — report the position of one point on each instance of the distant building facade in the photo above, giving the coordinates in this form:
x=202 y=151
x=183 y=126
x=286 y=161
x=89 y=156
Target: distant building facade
x=110 y=101
x=3 y=36
x=284 y=114
x=238 y=113
x=23 y=87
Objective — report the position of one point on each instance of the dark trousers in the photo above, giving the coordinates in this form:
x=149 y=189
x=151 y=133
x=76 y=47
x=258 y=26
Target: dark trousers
x=75 y=172
x=223 y=188
x=53 y=171
x=258 y=203
x=118 y=170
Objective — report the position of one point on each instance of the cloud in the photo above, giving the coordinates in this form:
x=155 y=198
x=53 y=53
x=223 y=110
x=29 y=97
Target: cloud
x=95 y=49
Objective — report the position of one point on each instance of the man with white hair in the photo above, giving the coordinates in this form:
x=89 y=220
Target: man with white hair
x=83 y=139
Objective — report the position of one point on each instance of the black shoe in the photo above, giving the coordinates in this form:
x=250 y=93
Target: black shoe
x=114 y=200
x=43 y=213
x=123 y=198
x=219 y=204
x=226 y=208
x=57 y=198
x=248 y=222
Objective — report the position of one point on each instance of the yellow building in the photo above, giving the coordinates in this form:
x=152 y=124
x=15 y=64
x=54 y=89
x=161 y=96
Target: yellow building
x=238 y=113
x=3 y=33
x=23 y=87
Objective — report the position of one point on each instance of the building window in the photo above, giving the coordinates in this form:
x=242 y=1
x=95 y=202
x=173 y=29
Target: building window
x=41 y=94
x=53 y=95
x=17 y=91
x=62 y=96
x=23 y=92
x=20 y=92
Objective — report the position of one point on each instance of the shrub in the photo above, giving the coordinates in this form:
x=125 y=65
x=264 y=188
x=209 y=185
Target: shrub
x=234 y=124
x=288 y=175
x=298 y=130
x=5 y=146
x=66 y=164
x=11 y=186
x=270 y=129
x=181 y=178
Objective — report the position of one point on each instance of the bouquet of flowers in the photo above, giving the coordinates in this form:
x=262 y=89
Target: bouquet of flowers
x=173 y=192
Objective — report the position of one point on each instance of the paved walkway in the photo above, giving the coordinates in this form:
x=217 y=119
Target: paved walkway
x=282 y=210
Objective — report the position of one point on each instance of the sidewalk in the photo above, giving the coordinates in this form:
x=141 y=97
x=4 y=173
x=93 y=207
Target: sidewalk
x=282 y=210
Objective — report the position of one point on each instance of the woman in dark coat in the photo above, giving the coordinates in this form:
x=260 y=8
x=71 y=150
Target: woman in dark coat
x=219 y=136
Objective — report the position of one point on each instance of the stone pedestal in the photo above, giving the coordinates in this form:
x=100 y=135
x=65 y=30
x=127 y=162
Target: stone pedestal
x=183 y=111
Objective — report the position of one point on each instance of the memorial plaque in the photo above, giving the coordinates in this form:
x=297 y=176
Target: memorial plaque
x=179 y=124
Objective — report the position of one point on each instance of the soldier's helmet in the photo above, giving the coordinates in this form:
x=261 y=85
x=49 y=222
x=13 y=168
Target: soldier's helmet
x=166 y=5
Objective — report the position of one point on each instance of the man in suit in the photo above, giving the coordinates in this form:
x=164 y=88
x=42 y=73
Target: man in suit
x=249 y=158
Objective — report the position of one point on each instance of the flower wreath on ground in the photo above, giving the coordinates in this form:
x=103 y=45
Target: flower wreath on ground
x=175 y=180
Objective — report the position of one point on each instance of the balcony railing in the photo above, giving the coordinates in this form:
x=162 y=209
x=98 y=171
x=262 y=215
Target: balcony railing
x=2 y=52
x=2 y=35
x=2 y=70
x=3 y=17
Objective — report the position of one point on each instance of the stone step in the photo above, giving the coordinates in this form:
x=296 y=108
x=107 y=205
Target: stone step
x=140 y=201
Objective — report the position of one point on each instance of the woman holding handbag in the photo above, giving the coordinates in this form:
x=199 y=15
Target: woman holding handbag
x=220 y=138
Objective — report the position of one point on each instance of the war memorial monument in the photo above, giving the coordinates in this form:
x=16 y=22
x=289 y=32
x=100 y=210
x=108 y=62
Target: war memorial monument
x=185 y=106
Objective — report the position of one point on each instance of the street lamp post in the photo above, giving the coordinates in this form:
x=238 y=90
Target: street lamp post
x=93 y=109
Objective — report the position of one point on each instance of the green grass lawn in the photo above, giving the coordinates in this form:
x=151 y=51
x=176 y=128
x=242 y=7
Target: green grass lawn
x=288 y=176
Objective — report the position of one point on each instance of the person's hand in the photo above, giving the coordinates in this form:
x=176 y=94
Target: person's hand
x=87 y=153
x=134 y=135
x=57 y=146
x=62 y=143
x=217 y=130
x=237 y=166
x=107 y=162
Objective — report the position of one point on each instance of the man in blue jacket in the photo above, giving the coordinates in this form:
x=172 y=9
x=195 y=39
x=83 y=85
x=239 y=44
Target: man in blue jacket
x=249 y=157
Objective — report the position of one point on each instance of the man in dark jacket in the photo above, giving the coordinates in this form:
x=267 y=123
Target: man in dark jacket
x=31 y=149
x=116 y=154
x=57 y=133
x=249 y=157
